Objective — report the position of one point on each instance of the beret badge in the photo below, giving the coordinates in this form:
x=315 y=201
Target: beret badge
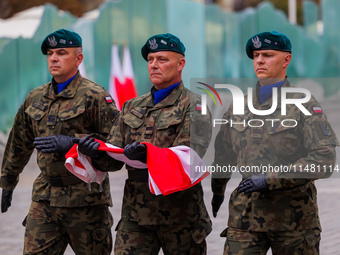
x=256 y=42
x=162 y=42
x=52 y=41
x=268 y=41
x=153 y=44
x=61 y=38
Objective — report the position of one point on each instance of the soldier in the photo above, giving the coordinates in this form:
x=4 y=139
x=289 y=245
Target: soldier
x=275 y=209
x=64 y=209
x=178 y=223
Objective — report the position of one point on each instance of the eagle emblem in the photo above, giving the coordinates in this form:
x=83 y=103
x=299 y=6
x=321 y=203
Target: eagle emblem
x=52 y=41
x=256 y=42
x=153 y=44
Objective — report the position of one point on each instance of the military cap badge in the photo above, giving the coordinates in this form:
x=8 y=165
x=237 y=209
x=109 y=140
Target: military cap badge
x=256 y=42
x=163 y=42
x=52 y=41
x=61 y=38
x=153 y=44
x=268 y=41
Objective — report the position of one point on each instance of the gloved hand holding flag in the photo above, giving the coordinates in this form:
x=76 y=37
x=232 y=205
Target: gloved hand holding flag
x=169 y=168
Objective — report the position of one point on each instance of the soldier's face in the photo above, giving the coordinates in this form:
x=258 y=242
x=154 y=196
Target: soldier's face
x=271 y=64
x=63 y=63
x=165 y=68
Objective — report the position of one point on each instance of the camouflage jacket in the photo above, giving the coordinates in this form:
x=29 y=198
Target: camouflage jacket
x=290 y=203
x=83 y=107
x=166 y=124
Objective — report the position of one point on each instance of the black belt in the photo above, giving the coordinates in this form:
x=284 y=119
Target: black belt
x=61 y=181
x=140 y=175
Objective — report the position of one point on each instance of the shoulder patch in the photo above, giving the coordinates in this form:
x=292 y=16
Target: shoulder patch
x=325 y=129
x=108 y=100
x=199 y=128
x=317 y=109
x=198 y=107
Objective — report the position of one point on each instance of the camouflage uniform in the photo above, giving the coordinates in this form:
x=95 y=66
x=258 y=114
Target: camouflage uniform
x=178 y=222
x=290 y=204
x=83 y=107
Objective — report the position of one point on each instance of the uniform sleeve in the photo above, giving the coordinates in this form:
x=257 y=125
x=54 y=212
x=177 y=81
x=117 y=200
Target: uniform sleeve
x=195 y=129
x=18 y=150
x=102 y=112
x=223 y=156
x=319 y=142
x=114 y=137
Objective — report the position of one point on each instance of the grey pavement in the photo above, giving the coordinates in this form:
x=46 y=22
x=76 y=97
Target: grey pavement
x=12 y=232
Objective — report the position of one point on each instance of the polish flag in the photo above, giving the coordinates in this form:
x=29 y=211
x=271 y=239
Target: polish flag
x=169 y=168
x=122 y=85
x=116 y=74
x=129 y=89
x=317 y=109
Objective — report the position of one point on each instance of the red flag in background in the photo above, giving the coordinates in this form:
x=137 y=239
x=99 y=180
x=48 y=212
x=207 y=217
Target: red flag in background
x=116 y=74
x=122 y=86
x=129 y=90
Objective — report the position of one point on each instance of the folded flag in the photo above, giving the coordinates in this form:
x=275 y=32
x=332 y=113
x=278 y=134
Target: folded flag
x=169 y=169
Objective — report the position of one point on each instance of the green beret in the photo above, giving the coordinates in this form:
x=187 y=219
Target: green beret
x=162 y=42
x=61 y=38
x=268 y=41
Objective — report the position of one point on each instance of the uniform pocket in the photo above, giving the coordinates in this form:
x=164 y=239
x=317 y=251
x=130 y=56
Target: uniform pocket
x=167 y=130
x=285 y=141
x=168 y=122
x=130 y=236
x=36 y=111
x=100 y=234
x=240 y=123
x=102 y=237
x=200 y=231
x=71 y=113
x=132 y=121
x=312 y=238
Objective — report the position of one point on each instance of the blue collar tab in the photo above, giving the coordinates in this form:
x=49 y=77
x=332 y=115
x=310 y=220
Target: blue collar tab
x=63 y=85
x=163 y=93
x=266 y=92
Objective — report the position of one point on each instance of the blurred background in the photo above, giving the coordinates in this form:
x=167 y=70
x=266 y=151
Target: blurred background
x=214 y=33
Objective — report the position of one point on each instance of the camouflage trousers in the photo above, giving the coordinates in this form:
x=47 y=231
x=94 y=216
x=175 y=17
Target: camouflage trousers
x=50 y=229
x=174 y=239
x=242 y=242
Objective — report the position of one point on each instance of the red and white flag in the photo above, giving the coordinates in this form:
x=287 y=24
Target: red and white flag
x=129 y=89
x=317 y=109
x=116 y=74
x=169 y=168
x=122 y=85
